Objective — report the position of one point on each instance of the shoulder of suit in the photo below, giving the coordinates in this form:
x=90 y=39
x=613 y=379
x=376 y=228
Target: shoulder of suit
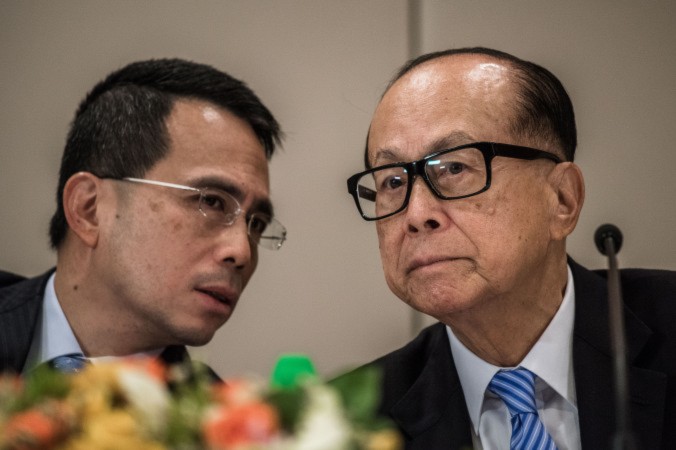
x=8 y=278
x=647 y=279
x=17 y=291
x=632 y=278
x=650 y=293
x=648 y=276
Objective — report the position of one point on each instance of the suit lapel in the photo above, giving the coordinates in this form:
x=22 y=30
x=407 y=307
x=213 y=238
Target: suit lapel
x=593 y=366
x=433 y=412
x=20 y=306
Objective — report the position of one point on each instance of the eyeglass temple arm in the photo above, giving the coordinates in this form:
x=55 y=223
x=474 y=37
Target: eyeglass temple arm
x=522 y=152
x=366 y=193
x=160 y=183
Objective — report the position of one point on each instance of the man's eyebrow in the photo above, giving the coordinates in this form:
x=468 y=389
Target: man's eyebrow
x=217 y=183
x=453 y=139
x=386 y=154
x=262 y=205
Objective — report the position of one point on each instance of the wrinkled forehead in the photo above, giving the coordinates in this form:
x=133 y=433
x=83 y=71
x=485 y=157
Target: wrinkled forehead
x=470 y=95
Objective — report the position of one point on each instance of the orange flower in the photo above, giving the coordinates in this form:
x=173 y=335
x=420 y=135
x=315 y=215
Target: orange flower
x=37 y=429
x=244 y=424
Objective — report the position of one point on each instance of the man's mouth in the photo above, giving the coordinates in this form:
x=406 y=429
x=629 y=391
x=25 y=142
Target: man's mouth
x=219 y=295
x=428 y=261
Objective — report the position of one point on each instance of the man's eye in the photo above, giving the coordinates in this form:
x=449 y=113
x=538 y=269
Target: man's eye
x=392 y=182
x=453 y=168
x=213 y=202
x=257 y=224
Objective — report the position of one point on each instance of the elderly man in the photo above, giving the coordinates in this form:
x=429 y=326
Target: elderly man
x=473 y=188
x=163 y=198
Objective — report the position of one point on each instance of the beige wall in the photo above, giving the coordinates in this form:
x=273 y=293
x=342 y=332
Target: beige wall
x=320 y=66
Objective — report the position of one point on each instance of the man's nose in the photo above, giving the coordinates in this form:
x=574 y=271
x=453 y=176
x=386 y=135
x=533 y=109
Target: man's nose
x=234 y=245
x=424 y=210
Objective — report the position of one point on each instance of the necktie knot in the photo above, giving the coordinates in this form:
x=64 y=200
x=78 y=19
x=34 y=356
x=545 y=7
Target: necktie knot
x=71 y=363
x=516 y=388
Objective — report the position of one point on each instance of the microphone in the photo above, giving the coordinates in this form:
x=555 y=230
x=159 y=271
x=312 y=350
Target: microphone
x=604 y=232
x=608 y=239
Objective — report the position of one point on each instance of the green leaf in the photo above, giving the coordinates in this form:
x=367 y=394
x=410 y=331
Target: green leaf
x=191 y=389
x=360 y=393
x=289 y=403
x=42 y=383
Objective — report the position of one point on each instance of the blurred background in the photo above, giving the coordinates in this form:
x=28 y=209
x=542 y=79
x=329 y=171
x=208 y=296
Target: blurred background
x=320 y=66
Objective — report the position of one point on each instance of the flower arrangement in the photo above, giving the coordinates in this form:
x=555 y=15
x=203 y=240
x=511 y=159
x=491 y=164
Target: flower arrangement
x=128 y=405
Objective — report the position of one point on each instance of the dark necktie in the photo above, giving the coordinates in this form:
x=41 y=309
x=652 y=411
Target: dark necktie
x=71 y=363
x=516 y=388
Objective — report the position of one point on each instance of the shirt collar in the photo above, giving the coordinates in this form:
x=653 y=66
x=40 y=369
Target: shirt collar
x=544 y=359
x=53 y=336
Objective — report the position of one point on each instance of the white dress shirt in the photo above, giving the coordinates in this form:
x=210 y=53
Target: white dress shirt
x=54 y=337
x=551 y=359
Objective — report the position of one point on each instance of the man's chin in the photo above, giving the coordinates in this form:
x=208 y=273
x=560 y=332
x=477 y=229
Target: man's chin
x=195 y=338
x=441 y=303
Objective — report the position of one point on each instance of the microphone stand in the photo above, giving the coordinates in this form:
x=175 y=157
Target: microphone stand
x=609 y=240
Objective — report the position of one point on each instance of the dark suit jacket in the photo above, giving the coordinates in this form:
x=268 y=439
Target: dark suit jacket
x=422 y=392
x=20 y=305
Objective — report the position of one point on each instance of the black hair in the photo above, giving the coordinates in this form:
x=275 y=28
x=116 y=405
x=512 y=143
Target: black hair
x=119 y=129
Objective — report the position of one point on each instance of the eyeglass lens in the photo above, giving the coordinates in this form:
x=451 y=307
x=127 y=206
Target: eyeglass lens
x=222 y=209
x=458 y=173
x=266 y=231
x=218 y=206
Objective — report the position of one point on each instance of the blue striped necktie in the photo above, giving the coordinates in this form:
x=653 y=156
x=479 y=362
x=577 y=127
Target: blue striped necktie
x=516 y=388
x=71 y=363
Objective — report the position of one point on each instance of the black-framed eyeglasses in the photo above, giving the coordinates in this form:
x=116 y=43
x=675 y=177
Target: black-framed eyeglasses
x=450 y=174
x=222 y=209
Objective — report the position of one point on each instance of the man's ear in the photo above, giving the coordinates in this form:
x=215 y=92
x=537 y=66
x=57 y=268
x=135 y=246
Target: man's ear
x=568 y=184
x=81 y=196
